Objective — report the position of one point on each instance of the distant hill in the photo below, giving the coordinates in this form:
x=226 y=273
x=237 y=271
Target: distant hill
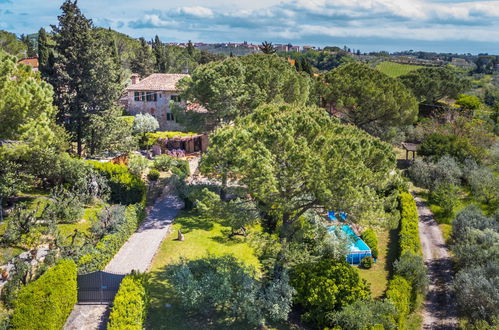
x=10 y=44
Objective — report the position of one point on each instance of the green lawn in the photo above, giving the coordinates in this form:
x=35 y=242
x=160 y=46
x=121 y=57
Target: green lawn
x=396 y=69
x=378 y=275
x=201 y=237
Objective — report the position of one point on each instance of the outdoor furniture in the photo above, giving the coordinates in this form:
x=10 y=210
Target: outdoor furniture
x=410 y=147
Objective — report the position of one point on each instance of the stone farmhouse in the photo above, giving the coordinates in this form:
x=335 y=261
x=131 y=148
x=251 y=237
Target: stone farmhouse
x=153 y=95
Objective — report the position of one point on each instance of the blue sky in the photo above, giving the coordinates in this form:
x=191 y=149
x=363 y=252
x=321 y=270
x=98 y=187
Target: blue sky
x=445 y=25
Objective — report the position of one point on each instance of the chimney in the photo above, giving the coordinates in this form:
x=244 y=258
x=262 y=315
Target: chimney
x=135 y=78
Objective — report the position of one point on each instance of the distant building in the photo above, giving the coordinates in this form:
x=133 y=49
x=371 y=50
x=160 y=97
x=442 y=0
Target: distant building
x=294 y=49
x=31 y=61
x=281 y=48
x=461 y=62
x=152 y=95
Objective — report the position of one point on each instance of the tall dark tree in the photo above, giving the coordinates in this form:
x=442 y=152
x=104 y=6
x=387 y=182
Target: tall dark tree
x=43 y=47
x=30 y=48
x=86 y=78
x=143 y=63
x=267 y=48
x=44 y=51
x=159 y=54
x=190 y=48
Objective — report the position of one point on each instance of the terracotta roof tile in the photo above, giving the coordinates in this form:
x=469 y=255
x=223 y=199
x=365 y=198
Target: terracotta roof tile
x=158 y=82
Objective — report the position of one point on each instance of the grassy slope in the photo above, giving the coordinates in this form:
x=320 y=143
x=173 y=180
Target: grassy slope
x=396 y=69
x=378 y=275
x=201 y=238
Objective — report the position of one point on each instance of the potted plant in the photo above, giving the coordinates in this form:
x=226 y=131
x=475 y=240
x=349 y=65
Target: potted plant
x=5 y=274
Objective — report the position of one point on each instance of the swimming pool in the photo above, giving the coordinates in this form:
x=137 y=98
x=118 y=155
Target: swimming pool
x=357 y=247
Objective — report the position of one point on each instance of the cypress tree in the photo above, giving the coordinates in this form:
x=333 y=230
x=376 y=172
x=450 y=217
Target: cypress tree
x=159 y=54
x=190 y=48
x=87 y=79
x=143 y=63
x=43 y=53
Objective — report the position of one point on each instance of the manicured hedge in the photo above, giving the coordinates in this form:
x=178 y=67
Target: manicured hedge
x=126 y=188
x=130 y=304
x=47 y=302
x=408 y=229
x=105 y=250
x=399 y=294
x=369 y=236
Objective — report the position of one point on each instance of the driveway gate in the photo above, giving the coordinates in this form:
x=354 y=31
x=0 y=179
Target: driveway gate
x=98 y=287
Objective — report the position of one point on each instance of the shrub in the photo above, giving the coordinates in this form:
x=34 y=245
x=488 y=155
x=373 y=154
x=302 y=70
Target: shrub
x=408 y=229
x=367 y=262
x=130 y=304
x=413 y=269
x=152 y=138
x=369 y=236
x=183 y=165
x=399 y=294
x=98 y=257
x=447 y=197
x=325 y=286
x=126 y=188
x=437 y=145
x=137 y=165
x=366 y=314
x=153 y=175
x=163 y=163
x=47 y=302
x=178 y=172
x=468 y=102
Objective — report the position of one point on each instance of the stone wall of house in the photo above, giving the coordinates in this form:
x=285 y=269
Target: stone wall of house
x=159 y=109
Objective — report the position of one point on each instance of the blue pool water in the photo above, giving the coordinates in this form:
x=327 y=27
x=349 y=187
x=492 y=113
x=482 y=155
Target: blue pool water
x=358 y=248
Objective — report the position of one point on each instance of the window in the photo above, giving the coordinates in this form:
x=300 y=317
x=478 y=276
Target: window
x=138 y=96
x=151 y=97
x=169 y=116
x=175 y=98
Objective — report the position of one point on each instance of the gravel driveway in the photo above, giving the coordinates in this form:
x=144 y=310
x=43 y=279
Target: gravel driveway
x=137 y=253
x=439 y=309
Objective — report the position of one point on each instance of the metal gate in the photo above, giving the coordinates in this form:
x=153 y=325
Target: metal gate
x=98 y=287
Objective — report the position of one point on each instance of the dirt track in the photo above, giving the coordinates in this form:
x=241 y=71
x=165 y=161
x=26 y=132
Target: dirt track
x=439 y=310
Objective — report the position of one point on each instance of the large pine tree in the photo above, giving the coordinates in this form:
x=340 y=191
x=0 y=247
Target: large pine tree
x=87 y=79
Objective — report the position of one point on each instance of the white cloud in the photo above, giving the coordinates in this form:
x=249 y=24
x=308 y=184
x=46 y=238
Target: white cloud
x=196 y=11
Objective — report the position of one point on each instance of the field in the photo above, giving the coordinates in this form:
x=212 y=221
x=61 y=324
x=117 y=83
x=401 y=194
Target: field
x=395 y=69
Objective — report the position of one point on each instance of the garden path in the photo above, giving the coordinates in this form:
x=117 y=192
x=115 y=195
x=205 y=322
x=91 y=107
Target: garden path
x=136 y=254
x=439 y=310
